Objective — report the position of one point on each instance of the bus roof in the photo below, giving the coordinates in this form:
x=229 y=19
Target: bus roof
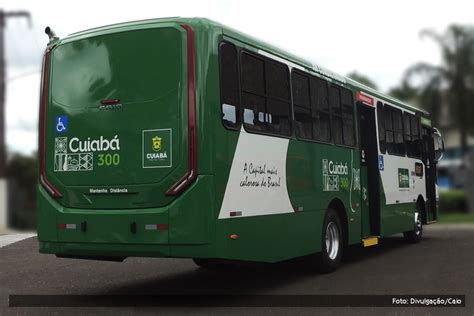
x=257 y=43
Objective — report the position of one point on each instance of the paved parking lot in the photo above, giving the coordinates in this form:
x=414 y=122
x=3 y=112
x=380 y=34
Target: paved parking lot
x=441 y=264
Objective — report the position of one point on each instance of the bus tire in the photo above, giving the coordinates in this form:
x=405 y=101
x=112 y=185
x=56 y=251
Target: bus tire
x=414 y=236
x=332 y=243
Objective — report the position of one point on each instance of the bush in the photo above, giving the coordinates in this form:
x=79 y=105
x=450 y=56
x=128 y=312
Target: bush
x=453 y=201
x=22 y=173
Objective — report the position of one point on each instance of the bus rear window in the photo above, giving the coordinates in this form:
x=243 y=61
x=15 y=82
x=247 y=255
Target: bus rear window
x=135 y=66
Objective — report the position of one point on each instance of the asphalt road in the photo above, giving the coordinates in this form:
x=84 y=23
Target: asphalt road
x=443 y=263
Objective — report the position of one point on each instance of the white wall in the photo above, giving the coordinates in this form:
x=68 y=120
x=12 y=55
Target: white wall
x=3 y=203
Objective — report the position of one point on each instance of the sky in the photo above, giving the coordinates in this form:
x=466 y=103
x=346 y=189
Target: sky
x=380 y=39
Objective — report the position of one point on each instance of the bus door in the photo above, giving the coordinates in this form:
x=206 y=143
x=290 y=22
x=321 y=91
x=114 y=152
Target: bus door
x=430 y=172
x=369 y=164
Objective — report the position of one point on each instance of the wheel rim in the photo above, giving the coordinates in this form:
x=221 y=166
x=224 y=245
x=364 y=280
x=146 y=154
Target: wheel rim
x=332 y=240
x=418 y=224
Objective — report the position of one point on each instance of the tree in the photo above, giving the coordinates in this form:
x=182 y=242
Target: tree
x=451 y=82
x=428 y=97
x=354 y=75
x=22 y=174
x=405 y=92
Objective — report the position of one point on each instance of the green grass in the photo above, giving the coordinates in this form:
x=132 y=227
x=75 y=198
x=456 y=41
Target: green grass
x=456 y=218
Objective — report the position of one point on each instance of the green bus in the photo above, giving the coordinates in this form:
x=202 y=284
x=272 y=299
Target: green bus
x=181 y=137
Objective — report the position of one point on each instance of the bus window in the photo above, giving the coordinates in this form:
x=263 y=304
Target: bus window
x=254 y=110
x=320 y=106
x=277 y=88
x=253 y=89
x=342 y=115
x=301 y=106
x=229 y=85
x=411 y=126
x=415 y=136
x=407 y=134
x=278 y=117
x=389 y=135
x=336 y=114
x=438 y=145
x=398 y=132
x=394 y=131
x=347 y=117
x=265 y=95
x=381 y=127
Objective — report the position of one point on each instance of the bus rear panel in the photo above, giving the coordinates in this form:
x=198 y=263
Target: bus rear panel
x=118 y=148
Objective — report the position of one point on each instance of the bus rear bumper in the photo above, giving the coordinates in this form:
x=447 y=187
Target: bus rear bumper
x=118 y=252
x=100 y=251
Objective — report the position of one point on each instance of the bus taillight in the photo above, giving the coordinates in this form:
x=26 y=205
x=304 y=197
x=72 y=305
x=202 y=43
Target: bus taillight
x=191 y=174
x=42 y=137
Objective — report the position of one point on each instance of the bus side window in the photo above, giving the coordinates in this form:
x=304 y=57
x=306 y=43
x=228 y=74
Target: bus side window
x=381 y=127
x=253 y=91
x=320 y=106
x=301 y=106
x=415 y=136
x=411 y=125
x=347 y=117
x=277 y=89
x=398 y=132
x=229 y=82
x=265 y=95
x=389 y=135
x=336 y=114
x=394 y=131
x=407 y=134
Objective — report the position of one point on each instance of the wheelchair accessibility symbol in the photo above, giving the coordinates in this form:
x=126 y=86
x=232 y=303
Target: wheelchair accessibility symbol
x=61 y=124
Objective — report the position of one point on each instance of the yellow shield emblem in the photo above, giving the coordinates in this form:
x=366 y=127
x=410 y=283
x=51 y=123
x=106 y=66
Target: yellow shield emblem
x=156 y=143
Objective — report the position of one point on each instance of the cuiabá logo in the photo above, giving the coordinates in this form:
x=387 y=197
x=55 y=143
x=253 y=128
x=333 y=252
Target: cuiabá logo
x=156 y=143
x=157 y=148
x=338 y=168
x=90 y=144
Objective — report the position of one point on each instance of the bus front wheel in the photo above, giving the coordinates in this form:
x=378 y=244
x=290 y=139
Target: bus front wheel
x=330 y=256
x=415 y=235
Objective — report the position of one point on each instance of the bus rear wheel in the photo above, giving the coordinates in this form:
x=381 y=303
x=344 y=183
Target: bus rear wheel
x=332 y=239
x=415 y=235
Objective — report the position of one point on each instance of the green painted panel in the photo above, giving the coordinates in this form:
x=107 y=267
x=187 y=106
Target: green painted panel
x=397 y=218
x=190 y=216
x=270 y=238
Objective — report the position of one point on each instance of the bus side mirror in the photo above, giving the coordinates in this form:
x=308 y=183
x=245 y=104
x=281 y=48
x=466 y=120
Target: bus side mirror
x=438 y=144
